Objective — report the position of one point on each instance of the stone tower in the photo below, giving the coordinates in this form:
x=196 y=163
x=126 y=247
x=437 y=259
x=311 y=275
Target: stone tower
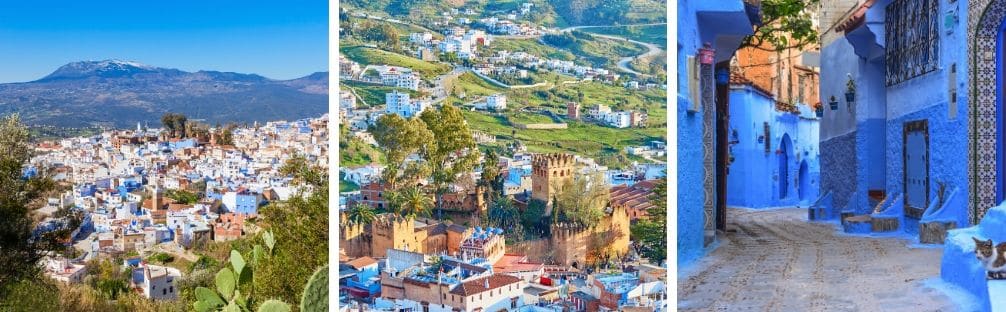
x=393 y=232
x=549 y=173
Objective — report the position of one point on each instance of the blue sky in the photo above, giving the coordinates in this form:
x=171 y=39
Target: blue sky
x=276 y=39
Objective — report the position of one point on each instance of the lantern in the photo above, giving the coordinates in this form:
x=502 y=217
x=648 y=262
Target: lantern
x=707 y=55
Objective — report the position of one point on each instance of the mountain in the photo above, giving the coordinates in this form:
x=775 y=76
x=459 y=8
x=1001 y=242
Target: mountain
x=122 y=93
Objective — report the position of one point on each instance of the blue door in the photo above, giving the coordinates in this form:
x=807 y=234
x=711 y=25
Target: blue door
x=916 y=168
x=804 y=186
x=784 y=148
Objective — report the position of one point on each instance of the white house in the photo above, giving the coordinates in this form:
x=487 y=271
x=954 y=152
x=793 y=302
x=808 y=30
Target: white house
x=421 y=38
x=496 y=101
x=619 y=119
x=399 y=103
x=347 y=101
x=364 y=174
x=158 y=282
x=61 y=269
x=599 y=111
x=407 y=80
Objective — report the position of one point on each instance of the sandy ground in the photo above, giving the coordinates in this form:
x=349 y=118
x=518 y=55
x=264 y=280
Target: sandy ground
x=775 y=260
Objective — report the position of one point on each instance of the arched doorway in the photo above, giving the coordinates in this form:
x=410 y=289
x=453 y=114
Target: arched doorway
x=985 y=163
x=804 y=179
x=784 y=155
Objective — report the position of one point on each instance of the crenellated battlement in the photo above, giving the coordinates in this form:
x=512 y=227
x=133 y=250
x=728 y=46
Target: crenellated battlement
x=552 y=160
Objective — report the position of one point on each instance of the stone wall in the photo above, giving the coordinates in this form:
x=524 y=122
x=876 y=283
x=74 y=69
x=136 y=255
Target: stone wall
x=837 y=163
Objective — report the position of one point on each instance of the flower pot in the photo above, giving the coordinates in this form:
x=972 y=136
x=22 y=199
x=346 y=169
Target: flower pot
x=850 y=97
x=819 y=111
x=833 y=105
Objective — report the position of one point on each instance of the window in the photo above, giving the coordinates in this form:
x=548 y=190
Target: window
x=513 y=303
x=800 y=86
x=768 y=140
x=164 y=292
x=912 y=37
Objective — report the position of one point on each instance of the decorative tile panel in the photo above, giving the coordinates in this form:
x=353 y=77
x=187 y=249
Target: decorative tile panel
x=708 y=151
x=984 y=18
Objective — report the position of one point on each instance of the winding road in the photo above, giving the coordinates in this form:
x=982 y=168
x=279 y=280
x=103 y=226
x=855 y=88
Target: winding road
x=623 y=64
x=775 y=260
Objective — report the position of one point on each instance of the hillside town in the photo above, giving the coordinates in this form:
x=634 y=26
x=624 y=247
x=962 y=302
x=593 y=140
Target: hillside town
x=146 y=195
x=438 y=213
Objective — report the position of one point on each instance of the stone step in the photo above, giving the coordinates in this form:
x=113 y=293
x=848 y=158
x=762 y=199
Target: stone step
x=884 y=224
x=861 y=224
x=935 y=232
x=817 y=213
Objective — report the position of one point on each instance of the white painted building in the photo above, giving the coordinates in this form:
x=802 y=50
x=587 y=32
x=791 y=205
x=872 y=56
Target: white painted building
x=619 y=119
x=599 y=111
x=347 y=101
x=496 y=101
x=159 y=282
x=61 y=269
x=400 y=103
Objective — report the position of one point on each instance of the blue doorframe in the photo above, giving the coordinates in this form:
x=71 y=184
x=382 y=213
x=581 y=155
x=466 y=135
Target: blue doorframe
x=784 y=155
x=1000 y=196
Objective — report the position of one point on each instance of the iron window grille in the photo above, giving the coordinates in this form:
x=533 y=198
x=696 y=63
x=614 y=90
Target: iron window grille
x=912 y=38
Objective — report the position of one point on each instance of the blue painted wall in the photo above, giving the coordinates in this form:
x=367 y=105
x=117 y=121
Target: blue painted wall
x=852 y=136
x=689 y=129
x=723 y=24
x=754 y=176
x=927 y=97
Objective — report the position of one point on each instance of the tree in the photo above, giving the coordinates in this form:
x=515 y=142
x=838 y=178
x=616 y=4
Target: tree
x=582 y=200
x=505 y=215
x=452 y=150
x=650 y=234
x=399 y=138
x=415 y=202
x=362 y=213
x=20 y=249
x=785 y=24
x=175 y=124
x=490 y=173
x=227 y=135
x=300 y=228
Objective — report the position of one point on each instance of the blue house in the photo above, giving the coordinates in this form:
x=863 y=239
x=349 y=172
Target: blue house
x=709 y=33
x=240 y=202
x=921 y=117
x=773 y=150
x=128 y=186
x=182 y=144
x=87 y=190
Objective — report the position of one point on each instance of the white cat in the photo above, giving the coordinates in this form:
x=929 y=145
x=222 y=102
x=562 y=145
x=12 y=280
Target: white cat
x=992 y=258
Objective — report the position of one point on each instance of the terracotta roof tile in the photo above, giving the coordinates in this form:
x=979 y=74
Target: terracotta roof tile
x=478 y=285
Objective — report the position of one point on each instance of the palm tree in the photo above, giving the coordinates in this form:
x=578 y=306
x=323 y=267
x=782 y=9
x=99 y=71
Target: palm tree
x=393 y=200
x=415 y=202
x=362 y=213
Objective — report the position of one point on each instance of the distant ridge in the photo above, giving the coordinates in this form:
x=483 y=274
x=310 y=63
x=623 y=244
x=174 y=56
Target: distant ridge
x=121 y=93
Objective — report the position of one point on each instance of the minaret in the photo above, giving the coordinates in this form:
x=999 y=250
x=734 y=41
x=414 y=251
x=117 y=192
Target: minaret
x=157 y=194
x=138 y=127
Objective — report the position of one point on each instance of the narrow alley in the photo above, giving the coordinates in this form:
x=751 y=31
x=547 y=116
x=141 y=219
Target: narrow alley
x=775 y=260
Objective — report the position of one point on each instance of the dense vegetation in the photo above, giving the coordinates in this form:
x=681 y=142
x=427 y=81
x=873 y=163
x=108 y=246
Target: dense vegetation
x=368 y=55
x=600 y=52
x=650 y=234
x=609 y=12
x=655 y=34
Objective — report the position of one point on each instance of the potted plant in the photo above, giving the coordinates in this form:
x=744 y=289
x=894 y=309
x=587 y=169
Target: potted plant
x=850 y=92
x=833 y=103
x=819 y=110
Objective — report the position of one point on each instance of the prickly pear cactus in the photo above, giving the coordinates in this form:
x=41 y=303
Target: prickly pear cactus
x=315 y=297
x=273 y=306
